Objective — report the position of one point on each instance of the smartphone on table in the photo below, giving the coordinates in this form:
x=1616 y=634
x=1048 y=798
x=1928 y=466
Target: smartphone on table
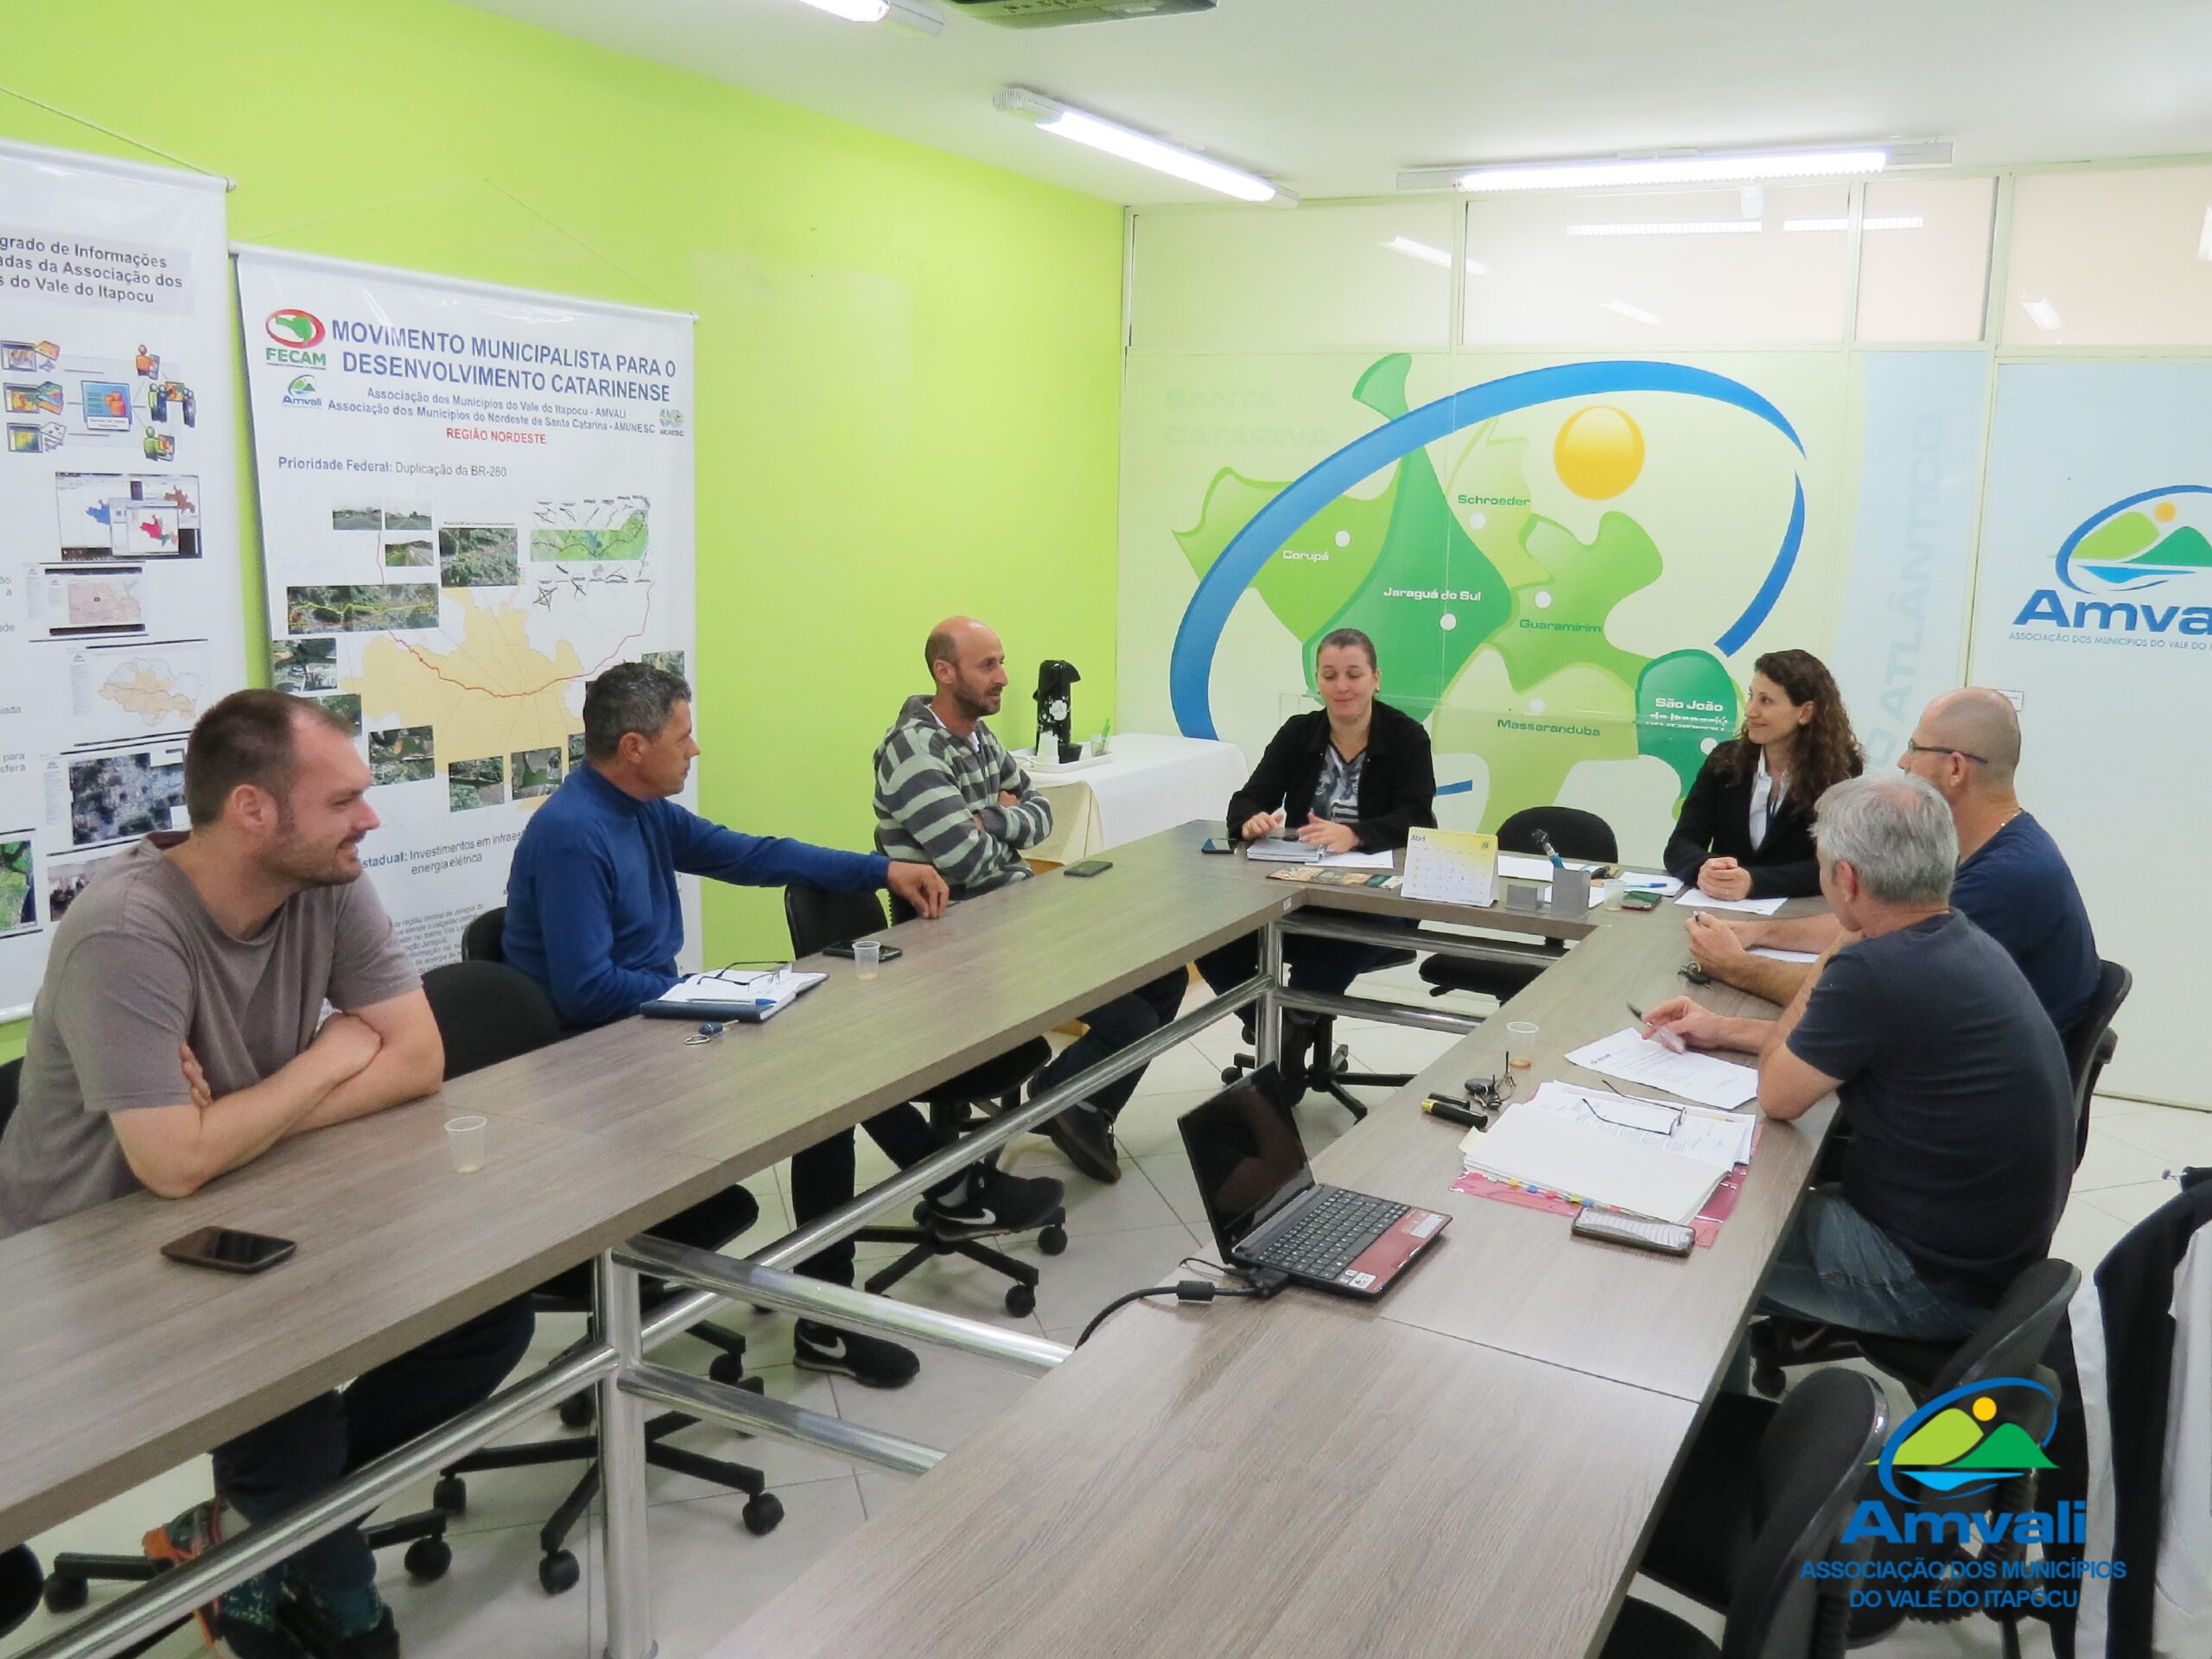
x=226 y=1249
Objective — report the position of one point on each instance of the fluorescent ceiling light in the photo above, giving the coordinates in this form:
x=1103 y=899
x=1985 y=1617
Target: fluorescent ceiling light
x=1878 y=222
x=2204 y=238
x=1689 y=168
x=2042 y=312
x=915 y=16
x=1673 y=227
x=1130 y=145
x=1633 y=312
x=1429 y=256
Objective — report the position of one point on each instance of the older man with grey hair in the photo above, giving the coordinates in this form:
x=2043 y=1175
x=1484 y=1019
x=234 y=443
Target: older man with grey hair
x=1951 y=1075
x=2012 y=880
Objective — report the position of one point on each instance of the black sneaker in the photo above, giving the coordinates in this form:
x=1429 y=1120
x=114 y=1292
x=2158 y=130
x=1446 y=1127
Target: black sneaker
x=350 y=1624
x=249 y=1620
x=1086 y=1141
x=869 y=1361
x=991 y=1201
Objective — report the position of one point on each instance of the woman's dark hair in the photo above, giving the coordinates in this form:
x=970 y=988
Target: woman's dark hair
x=1825 y=752
x=1351 y=637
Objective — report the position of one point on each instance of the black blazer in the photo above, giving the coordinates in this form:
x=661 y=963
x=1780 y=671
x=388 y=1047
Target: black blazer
x=1397 y=788
x=1716 y=822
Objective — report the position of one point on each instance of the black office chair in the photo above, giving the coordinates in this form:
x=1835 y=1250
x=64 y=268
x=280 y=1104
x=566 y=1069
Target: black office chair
x=1765 y=1492
x=818 y=918
x=2091 y=1044
x=487 y=1012
x=67 y=1587
x=1578 y=834
x=485 y=938
x=20 y=1580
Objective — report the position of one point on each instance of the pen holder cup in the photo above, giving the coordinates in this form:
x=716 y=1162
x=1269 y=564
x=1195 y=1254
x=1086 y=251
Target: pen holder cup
x=1571 y=892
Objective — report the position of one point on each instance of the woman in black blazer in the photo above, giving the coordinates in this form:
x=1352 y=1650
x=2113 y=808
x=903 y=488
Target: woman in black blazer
x=1356 y=776
x=1746 y=830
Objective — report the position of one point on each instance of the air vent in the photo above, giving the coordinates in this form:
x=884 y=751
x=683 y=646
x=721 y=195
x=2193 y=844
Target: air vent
x=1057 y=14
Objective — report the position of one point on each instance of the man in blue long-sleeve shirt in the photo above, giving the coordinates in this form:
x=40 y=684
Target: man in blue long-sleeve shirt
x=592 y=915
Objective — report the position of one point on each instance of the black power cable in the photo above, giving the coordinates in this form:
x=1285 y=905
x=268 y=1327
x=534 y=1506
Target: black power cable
x=1262 y=1284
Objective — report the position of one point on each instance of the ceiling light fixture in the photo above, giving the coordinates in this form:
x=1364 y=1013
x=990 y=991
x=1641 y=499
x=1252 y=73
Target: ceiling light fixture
x=911 y=16
x=1682 y=167
x=1633 y=312
x=2043 y=314
x=1052 y=116
x=1879 y=222
x=1673 y=227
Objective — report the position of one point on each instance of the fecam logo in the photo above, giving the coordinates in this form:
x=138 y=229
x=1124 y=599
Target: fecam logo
x=302 y=330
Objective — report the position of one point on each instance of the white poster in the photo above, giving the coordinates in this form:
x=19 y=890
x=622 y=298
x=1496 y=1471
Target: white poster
x=474 y=501
x=2094 y=607
x=121 y=613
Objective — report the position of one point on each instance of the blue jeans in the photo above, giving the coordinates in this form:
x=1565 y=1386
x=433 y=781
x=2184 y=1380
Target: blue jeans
x=1837 y=1267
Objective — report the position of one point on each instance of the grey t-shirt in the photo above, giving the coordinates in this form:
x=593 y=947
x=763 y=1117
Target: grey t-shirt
x=138 y=968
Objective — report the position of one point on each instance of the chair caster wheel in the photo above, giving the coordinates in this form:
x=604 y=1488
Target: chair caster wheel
x=753 y=1385
x=578 y=1411
x=65 y=1595
x=1769 y=1381
x=728 y=1369
x=1229 y=1074
x=763 y=1515
x=558 y=1572
x=1052 y=1240
x=426 y=1559
x=451 y=1495
x=1021 y=1300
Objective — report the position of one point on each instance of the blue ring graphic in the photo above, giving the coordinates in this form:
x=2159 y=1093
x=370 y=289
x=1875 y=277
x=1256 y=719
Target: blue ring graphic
x=1191 y=666
x=2066 y=548
x=1885 y=1466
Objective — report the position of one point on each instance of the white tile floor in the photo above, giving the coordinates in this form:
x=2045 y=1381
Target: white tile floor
x=709 y=1574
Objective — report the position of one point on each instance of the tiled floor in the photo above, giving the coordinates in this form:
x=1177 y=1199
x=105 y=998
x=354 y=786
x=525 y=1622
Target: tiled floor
x=709 y=1574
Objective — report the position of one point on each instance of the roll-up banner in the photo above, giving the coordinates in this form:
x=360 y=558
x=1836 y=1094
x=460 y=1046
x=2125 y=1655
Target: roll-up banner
x=474 y=501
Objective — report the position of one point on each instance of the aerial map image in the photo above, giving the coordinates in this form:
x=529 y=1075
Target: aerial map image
x=297 y=665
x=369 y=608
x=120 y=795
x=477 y=783
x=478 y=556
x=347 y=709
x=18 y=906
x=538 y=772
x=402 y=754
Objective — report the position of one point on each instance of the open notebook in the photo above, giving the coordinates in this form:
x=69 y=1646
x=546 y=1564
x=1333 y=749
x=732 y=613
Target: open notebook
x=1554 y=1155
x=730 y=995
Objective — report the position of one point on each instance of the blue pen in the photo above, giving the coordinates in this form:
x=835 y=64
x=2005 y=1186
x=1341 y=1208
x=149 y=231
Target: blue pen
x=1544 y=842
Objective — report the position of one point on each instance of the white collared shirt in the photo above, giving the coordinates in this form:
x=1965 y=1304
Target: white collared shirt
x=1767 y=793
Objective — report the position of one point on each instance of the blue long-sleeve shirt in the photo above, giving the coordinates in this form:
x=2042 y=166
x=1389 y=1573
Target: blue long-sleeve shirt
x=592 y=911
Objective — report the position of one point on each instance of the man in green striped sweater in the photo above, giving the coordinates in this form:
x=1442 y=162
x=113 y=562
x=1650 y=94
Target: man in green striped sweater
x=947 y=793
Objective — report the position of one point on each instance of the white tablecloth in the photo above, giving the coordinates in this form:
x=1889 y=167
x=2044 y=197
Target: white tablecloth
x=1144 y=784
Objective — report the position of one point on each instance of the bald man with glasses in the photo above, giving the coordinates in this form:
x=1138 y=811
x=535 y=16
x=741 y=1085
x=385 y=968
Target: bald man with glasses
x=2012 y=883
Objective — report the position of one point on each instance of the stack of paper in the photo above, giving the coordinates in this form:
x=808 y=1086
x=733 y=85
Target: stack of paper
x=1545 y=1153
x=1632 y=1058
x=1665 y=886
x=1695 y=900
x=1281 y=849
x=1706 y=1133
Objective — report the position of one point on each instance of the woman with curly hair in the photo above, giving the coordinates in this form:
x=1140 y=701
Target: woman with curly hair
x=1746 y=830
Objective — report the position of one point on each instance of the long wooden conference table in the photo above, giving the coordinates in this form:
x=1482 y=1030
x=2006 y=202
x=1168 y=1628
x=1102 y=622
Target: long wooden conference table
x=1471 y=1464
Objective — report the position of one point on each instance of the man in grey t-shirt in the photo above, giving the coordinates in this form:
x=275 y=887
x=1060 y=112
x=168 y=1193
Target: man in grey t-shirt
x=180 y=1034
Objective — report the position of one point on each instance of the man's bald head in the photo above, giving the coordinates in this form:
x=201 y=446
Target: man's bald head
x=1981 y=722
x=967 y=664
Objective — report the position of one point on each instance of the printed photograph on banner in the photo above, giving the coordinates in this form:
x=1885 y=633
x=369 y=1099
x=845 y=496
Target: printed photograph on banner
x=18 y=897
x=299 y=666
x=346 y=707
x=532 y=528
x=402 y=754
x=122 y=795
x=137 y=688
x=66 y=880
x=476 y=784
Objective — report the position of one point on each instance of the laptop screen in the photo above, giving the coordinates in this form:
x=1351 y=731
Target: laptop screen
x=1245 y=1151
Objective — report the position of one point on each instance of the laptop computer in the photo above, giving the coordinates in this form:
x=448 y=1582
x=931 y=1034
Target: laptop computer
x=1268 y=1212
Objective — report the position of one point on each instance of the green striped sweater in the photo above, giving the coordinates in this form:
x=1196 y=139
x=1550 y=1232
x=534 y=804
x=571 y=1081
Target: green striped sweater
x=937 y=802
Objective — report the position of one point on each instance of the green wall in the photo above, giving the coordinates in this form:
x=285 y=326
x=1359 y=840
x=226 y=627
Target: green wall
x=909 y=364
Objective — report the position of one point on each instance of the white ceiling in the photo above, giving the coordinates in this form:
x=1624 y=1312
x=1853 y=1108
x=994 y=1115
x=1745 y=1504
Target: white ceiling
x=1331 y=98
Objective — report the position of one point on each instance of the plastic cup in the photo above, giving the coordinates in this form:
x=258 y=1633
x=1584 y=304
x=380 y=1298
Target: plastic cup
x=1520 y=1044
x=1615 y=887
x=868 y=956
x=464 y=1138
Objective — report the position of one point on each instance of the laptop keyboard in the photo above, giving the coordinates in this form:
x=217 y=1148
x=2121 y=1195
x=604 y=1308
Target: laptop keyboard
x=1329 y=1235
